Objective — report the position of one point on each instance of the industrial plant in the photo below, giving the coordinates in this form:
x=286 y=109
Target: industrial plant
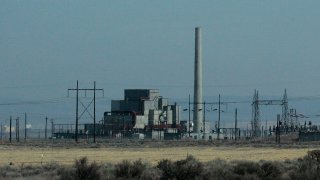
x=145 y=114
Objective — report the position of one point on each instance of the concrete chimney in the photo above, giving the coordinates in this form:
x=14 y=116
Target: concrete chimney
x=198 y=106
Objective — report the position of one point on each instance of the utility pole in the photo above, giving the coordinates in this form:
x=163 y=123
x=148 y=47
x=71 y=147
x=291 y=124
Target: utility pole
x=77 y=113
x=52 y=129
x=267 y=128
x=189 y=117
x=278 y=129
x=159 y=132
x=296 y=119
x=17 y=129
x=1 y=131
x=247 y=132
x=77 y=108
x=10 y=137
x=25 y=126
x=94 y=112
x=235 y=123
x=219 y=119
x=45 y=130
x=204 y=119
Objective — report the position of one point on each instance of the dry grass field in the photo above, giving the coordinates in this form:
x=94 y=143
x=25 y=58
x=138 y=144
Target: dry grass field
x=36 y=155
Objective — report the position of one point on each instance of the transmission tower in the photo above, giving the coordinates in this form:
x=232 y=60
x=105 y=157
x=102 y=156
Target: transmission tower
x=294 y=122
x=255 y=115
x=256 y=132
x=285 y=112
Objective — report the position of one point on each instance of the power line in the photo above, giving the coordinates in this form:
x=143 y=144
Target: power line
x=46 y=101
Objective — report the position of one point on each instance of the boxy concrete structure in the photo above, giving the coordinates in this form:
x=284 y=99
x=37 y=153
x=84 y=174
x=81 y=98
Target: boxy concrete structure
x=142 y=111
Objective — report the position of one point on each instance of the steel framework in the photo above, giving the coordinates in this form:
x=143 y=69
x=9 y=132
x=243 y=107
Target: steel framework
x=256 y=121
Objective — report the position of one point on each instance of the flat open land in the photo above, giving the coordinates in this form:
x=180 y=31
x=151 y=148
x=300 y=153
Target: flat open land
x=19 y=154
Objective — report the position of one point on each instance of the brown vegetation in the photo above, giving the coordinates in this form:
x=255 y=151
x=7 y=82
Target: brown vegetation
x=33 y=155
x=188 y=168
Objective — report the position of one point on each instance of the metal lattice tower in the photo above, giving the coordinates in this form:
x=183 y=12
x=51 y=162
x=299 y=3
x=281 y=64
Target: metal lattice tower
x=255 y=123
x=294 y=122
x=291 y=118
x=256 y=132
x=285 y=112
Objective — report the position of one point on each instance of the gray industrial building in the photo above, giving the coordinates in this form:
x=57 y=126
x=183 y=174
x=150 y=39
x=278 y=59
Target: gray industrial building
x=143 y=113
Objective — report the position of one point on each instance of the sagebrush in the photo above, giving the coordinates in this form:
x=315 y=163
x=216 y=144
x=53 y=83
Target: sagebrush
x=306 y=168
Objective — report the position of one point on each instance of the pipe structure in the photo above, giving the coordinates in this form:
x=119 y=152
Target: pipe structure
x=198 y=101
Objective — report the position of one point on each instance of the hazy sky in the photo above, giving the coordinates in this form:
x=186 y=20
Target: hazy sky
x=46 y=45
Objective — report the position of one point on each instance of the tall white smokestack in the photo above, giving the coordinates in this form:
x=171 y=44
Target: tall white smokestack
x=198 y=106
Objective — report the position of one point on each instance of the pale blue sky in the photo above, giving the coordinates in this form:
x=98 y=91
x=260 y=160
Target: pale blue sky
x=46 y=45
